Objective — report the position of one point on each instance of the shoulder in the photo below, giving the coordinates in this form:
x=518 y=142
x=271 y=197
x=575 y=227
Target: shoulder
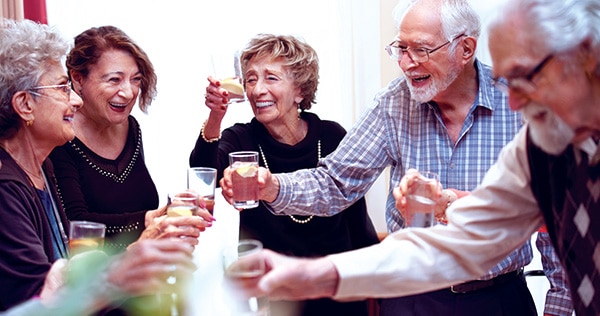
x=134 y=126
x=325 y=128
x=331 y=127
x=240 y=128
x=9 y=171
x=62 y=152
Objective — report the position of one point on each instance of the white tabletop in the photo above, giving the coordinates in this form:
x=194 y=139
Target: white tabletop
x=206 y=294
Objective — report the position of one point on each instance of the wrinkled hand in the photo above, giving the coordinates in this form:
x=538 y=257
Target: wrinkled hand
x=268 y=185
x=55 y=280
x=144 y=268
x=186 y=228
x=216 y=98
x=403 y=188
x=289 y=278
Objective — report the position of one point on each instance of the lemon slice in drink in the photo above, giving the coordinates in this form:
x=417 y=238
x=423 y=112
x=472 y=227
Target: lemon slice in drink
x=175 y=211
x=246 y=171
x=232 y=85
x=87 y=243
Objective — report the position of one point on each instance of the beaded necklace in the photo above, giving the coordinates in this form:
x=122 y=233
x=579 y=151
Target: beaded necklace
x=262 y=154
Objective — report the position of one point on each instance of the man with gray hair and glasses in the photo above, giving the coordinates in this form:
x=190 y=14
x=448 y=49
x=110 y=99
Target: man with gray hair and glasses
x=445 y=116
x=548 y=174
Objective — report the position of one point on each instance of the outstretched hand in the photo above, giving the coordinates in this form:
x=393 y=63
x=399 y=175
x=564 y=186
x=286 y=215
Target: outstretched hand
x=289 y=278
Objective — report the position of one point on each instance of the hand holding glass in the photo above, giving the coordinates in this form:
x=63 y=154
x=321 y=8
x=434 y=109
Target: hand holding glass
x=422 y=193
x=244 y=178
x=227 y=68
x=84 y=236
x=182 y=204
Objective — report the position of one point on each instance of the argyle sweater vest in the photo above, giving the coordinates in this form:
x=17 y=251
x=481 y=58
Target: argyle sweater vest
x=568 y=194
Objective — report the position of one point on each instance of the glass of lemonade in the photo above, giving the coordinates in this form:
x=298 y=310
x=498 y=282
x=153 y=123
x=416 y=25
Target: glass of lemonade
x=182 y=204
x=244 y=178
x=85 y=236
x=228 y=69
x=421 y=199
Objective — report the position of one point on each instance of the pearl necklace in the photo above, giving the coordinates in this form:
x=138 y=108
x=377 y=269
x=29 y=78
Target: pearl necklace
x=262 y=154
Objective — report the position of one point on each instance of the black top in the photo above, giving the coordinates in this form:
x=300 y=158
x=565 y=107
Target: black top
x=26 y=249
x=347 y=230
x=116 y=192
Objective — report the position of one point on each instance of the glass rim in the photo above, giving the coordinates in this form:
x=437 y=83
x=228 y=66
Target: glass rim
x=87 y=223
x=245 y=153
x=202 y=169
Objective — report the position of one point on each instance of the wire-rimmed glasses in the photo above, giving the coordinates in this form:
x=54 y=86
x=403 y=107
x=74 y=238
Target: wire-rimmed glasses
x=417 y=54
x=65 y=88
x=523 y=84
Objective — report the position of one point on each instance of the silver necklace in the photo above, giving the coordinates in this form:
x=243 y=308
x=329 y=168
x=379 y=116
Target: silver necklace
x=262 y=154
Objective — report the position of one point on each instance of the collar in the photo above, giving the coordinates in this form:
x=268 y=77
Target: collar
x=591 y=148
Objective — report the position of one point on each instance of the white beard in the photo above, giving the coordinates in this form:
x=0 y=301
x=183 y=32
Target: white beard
x=551 y=134
x=427 y=93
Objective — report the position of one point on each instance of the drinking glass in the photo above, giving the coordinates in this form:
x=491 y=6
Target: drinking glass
x=244 y=178
x=239 y=267
x=228 y=69
x=203 y=181
x=183 y=203
x=420 y=200
x=84 y=236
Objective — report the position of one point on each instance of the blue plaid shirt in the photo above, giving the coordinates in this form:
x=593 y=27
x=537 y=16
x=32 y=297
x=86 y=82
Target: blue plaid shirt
x=399 y=132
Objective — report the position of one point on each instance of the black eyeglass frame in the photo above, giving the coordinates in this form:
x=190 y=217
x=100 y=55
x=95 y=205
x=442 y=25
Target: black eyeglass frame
x=522 y=83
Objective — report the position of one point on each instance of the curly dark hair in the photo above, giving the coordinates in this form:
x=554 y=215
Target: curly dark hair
x=90 y=45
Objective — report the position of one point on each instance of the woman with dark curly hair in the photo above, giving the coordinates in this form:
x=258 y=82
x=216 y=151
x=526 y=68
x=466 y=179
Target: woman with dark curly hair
x=102 y=175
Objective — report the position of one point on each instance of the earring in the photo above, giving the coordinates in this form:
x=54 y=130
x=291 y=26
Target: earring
x=299 y=111
x=29 y=123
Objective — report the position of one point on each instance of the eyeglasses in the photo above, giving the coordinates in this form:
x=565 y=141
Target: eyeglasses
x=65 y=88
x=418 y=54
x=522 y=84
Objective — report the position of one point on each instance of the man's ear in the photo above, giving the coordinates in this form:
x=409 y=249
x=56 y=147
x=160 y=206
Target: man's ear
x=469 y=45
x=590 y=59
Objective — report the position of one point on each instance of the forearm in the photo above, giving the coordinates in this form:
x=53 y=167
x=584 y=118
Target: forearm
x=212 y=126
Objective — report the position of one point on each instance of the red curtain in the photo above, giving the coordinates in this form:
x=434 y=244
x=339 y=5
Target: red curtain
x=35 y=10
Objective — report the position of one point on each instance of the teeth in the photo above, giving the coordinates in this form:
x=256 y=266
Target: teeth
x=118 y=105
x=264 y=104
x=70 y=118
x=420 y=78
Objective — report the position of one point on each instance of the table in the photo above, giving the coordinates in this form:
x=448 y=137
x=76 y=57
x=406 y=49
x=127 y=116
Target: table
x=206 y=292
